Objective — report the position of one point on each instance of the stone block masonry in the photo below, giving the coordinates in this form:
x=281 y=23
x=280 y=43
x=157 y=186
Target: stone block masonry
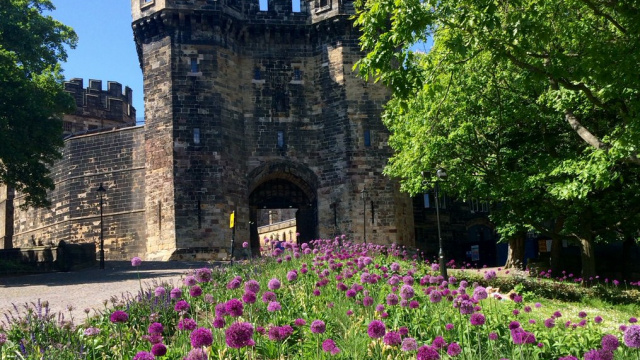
x=116 y=159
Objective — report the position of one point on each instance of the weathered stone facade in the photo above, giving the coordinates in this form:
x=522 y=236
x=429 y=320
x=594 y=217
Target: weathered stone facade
x=245 y=110
x=249 y=109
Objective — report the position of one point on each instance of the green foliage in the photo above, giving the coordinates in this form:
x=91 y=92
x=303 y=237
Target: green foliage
x=33 y=100
x=532 y=105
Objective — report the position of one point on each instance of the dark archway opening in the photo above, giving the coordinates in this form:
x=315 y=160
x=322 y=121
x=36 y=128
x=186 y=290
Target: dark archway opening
x=279 y=193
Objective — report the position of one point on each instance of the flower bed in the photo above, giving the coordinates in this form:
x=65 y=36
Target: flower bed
x=330 y=300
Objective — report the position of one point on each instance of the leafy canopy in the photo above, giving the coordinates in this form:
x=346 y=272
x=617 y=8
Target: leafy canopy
x=32 y=99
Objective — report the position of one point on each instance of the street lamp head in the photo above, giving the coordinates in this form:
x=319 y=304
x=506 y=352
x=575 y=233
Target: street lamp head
x=101 y=189
x=441 y=174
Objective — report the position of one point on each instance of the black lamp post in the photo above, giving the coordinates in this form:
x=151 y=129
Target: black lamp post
x=441 y=175
x=364 y=214
x=101 y=190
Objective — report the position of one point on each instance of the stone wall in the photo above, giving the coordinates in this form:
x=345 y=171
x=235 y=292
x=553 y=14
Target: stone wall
x=117 y=160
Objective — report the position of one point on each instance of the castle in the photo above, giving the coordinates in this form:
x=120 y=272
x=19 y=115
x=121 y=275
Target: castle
x=248 y=106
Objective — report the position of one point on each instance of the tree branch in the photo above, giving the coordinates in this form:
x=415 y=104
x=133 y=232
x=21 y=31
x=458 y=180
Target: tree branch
x=597 y=11
x=583 y=132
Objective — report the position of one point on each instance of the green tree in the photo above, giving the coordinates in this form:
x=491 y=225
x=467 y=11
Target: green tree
x=529 y=104
x=32 y=98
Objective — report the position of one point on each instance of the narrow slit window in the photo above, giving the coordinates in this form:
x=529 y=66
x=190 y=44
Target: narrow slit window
x=196 y=136
x=367 y=137
x=264 y=5
x=297 y=74
x=295 y=5
x=257 y=75
x=194 y=65
x=280 y=141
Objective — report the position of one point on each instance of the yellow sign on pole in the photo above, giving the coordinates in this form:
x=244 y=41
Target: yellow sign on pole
x=232 y=221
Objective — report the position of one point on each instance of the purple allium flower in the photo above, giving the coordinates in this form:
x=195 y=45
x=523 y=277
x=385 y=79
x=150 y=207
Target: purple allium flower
x=119 y=316
x=201 y=337
x=234 y=307
x=292 y=276
x=160 y=291
x=367 y=301
x=537 y=305
x=598 y=319
x=299 y=322
x=493 y=336
x=196 y=354
x=245 y=244
x=175 y=293
x=633 y=320
x=439 y=342
x=182 y=306
x=376 y=329
x=632 y=336
x=623 y=328
x=520 y=336
x=143 y=355
x=153 y=339
x=514 y=325
x=195 y=291
x=379 y=308
x=435 y=296
x=549 y=323
x=252 y=285
x=351 y=293
x=187 y=324
x=221 y=310
x=477 y=319
x=219 y=322
x=274 y=306
x=557 y=314
x=403 y=331
x=409 y=344
x=466 y=307
x=268 y=296
x=480 y=293
x=568 y=357
x=155 y=328
x=427 y=352
x=610 y=342
x=136 y=261
x=454 y=349
x=203 y=275
x=239 y=335
x=249 y=297
x=274 y=284
x=190 y=280
x=328 y=345
x=392 y=299
x=316 y=292
x=159 y=349
x=516 y=312
x=449 y=327
x=582 y=314
x=234 y=284
x=90 y=331
x=527 y=309
x=279 y=333
x=392 y=338
x=598 y=354
x=407 y=292
x=349 y=312
x=318 y=327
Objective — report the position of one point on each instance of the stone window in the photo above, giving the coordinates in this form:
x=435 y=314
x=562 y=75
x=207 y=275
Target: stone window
x=324 y=3
x=367 y=137
x=257 y=74
x=67 y=125
x=280 y=141
x=280 y=102
x=264 y=5
x=295 y=5
x=145 y=3
x=196 y=136
x=194 y=65
x=297 y=74
x=478 y=206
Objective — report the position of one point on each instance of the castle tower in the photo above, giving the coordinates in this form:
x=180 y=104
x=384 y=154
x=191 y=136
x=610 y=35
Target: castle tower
x=250 y=107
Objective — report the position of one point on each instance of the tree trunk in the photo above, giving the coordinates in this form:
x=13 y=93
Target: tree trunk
x=556 y=247
x=588 y=257
x=515 y=257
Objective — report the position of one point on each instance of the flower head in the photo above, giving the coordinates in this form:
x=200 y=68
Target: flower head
x=196 y=354
x=136 y=261
x=195 y=291
x=252 y=285
x=201 y=337
x=218 y=322
x=143 y=355
x=155 y=328
x=239 y=335
x=477 y=319
x=409 y=344
x=318 y=327
x=203 y=275
x=274 y=306
x=427 y=352
x=392 y=338
x=182 y=306
x=274 y=284
x=632 y=336
x=187 y=324
x=159 y=349
x=454 y=349
x=234 y=307
x=119 y=316
x=610 y=342
x=376 y=329
x=90 y=331
x=175 y=293
x=160 y=291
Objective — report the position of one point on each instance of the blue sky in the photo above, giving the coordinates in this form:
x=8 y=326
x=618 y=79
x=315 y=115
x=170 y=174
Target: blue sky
x=105 y=50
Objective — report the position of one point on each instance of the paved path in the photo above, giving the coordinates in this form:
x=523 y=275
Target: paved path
x=87 y=288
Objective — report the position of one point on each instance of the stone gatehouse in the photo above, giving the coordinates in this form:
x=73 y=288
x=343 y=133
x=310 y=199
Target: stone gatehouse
x=247 y=107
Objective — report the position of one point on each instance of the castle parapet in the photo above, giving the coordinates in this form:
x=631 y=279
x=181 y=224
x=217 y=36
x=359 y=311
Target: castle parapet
x=112 y=104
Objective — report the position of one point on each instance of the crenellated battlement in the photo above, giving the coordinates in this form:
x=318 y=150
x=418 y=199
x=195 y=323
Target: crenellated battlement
x=112 y=105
